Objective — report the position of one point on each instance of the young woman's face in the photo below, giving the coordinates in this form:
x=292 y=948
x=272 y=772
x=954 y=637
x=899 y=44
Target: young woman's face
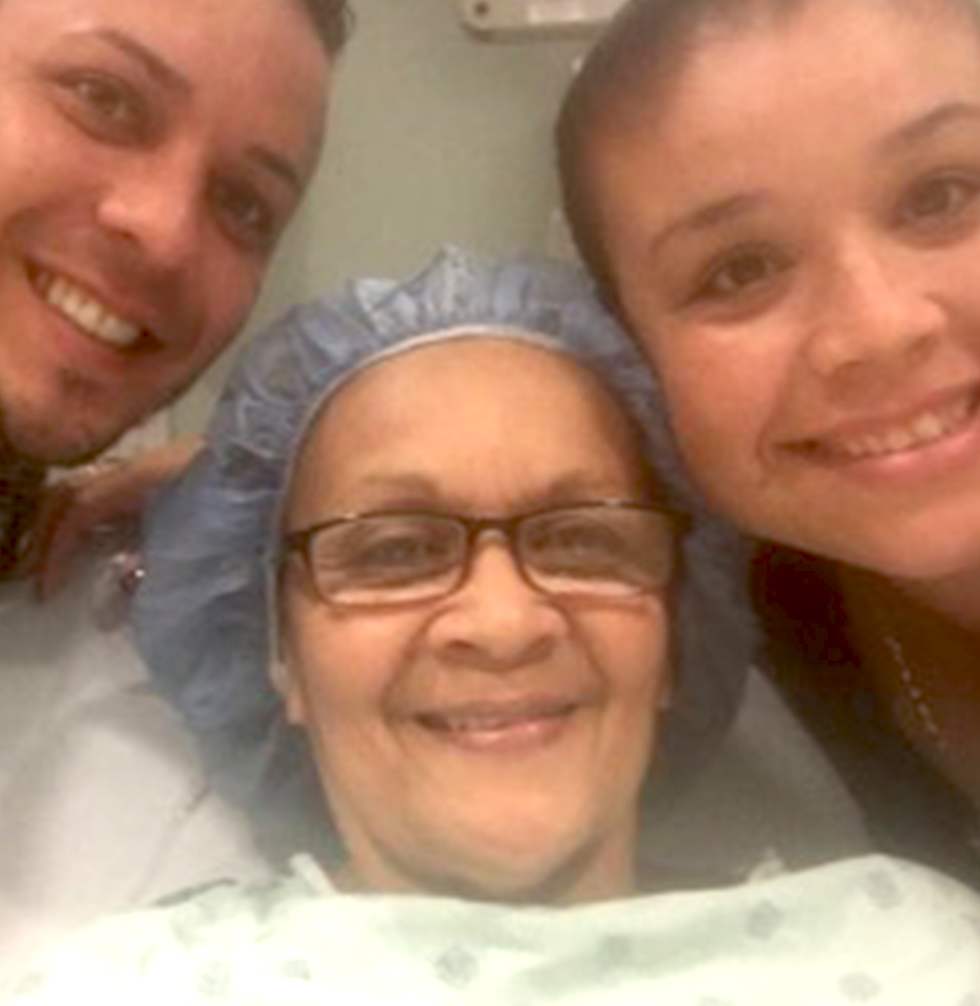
x=794 y=233
x=493 y=741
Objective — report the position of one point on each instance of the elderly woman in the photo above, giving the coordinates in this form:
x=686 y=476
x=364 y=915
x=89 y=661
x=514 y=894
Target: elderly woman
x=426 y=533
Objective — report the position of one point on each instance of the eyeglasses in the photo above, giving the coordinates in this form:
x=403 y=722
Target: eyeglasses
x=605 y=549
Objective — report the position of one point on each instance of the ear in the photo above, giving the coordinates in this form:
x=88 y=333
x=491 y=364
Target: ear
x=285 y=679
x=289 y=689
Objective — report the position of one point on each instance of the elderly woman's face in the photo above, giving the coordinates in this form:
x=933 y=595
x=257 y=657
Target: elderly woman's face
x=491 y=742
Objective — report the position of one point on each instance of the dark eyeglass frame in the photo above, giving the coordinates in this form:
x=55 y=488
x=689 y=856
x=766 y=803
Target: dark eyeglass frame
x=298 y=542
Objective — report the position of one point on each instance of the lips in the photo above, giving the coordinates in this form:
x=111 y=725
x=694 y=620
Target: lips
x=86 y=312
x=919 y=430
x=499 y=724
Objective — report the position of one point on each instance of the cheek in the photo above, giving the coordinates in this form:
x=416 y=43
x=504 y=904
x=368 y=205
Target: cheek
x=631 y=651
x=964 y=296
x=346 y=668
x=714 y=411
x=635 y=660
x=714 y=441
x=227 y=287
x=724 y=403
x=44 y=174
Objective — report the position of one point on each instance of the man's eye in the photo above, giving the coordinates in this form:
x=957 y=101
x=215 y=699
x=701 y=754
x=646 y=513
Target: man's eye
x=108 y=108
x=938 y=200
x=244 y=215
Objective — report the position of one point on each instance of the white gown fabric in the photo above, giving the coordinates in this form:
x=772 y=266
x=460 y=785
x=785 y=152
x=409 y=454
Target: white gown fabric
x=867 y=930
x=102 y=803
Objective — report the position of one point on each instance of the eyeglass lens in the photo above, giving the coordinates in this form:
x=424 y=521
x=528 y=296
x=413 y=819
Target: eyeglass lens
x=394 y=558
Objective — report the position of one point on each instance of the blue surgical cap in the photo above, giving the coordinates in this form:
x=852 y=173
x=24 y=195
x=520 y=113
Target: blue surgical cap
x=202 y=613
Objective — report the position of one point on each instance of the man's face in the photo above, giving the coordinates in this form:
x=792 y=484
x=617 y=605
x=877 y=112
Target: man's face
x=150 y=155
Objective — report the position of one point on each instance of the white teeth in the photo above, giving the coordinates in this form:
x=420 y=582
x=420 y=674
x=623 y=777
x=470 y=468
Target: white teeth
x=86 y=313
x=476 y=722
x=463 y=724
x=924 y=429
x=927 y=427
x=899 y=440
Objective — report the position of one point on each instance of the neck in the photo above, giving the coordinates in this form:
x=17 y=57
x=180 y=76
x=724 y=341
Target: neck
x=921 y=656
x=956 y=597
x=593 y=875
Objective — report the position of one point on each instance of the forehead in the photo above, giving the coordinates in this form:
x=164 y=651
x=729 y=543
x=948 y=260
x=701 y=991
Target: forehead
x=472 y=417
x=264 y=52
x=484 y=381
x=174 y=24
x=752 y=104
x=692 y=59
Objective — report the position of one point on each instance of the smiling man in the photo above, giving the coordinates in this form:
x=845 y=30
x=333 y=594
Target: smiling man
x=151 y=155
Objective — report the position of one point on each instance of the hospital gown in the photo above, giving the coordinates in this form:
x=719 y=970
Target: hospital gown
x=869 y=930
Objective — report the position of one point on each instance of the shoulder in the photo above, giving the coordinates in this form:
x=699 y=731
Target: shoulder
x=872 y=915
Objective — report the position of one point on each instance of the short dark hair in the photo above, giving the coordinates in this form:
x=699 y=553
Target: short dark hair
x=333 y=20
x=646 y=45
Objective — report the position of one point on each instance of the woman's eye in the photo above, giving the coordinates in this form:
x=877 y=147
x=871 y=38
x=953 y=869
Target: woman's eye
x=580 y=539
x=395 y=552
x=737 y=274
x=374 y=548
x=586 y=540
x=939 y=199
x=108 y=108
x=244 y=215
x=397 y=560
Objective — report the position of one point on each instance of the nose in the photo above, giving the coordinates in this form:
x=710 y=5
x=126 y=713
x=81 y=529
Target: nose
x=872 y=316
x=153 y=203
x=496 y=620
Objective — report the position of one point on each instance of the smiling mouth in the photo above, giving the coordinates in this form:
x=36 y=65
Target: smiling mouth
x=484 y=725
x=86 y=312
x=924 y=429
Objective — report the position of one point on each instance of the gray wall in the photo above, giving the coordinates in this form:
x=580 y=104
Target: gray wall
x=434 y=136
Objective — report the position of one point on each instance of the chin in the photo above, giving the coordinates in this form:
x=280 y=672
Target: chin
x=919 y=553
x=522 y=870
x=74 y=443
x=71 y=423
x=537 y=884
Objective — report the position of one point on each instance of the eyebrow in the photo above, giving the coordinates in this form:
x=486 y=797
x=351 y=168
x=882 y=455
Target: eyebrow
x=722 y=211
x=157 y=68
x=925 y=126
x=709 y=216
x=276 y=165
x=171 y=79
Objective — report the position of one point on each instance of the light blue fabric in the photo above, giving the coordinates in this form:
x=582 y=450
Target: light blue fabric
x=201 y=612
x=869 y=931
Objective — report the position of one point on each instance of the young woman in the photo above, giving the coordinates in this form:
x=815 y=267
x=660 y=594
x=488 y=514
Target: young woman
x=781 y=199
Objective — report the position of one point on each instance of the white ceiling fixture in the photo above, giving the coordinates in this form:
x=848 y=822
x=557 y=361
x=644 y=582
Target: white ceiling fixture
x=505 y=20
